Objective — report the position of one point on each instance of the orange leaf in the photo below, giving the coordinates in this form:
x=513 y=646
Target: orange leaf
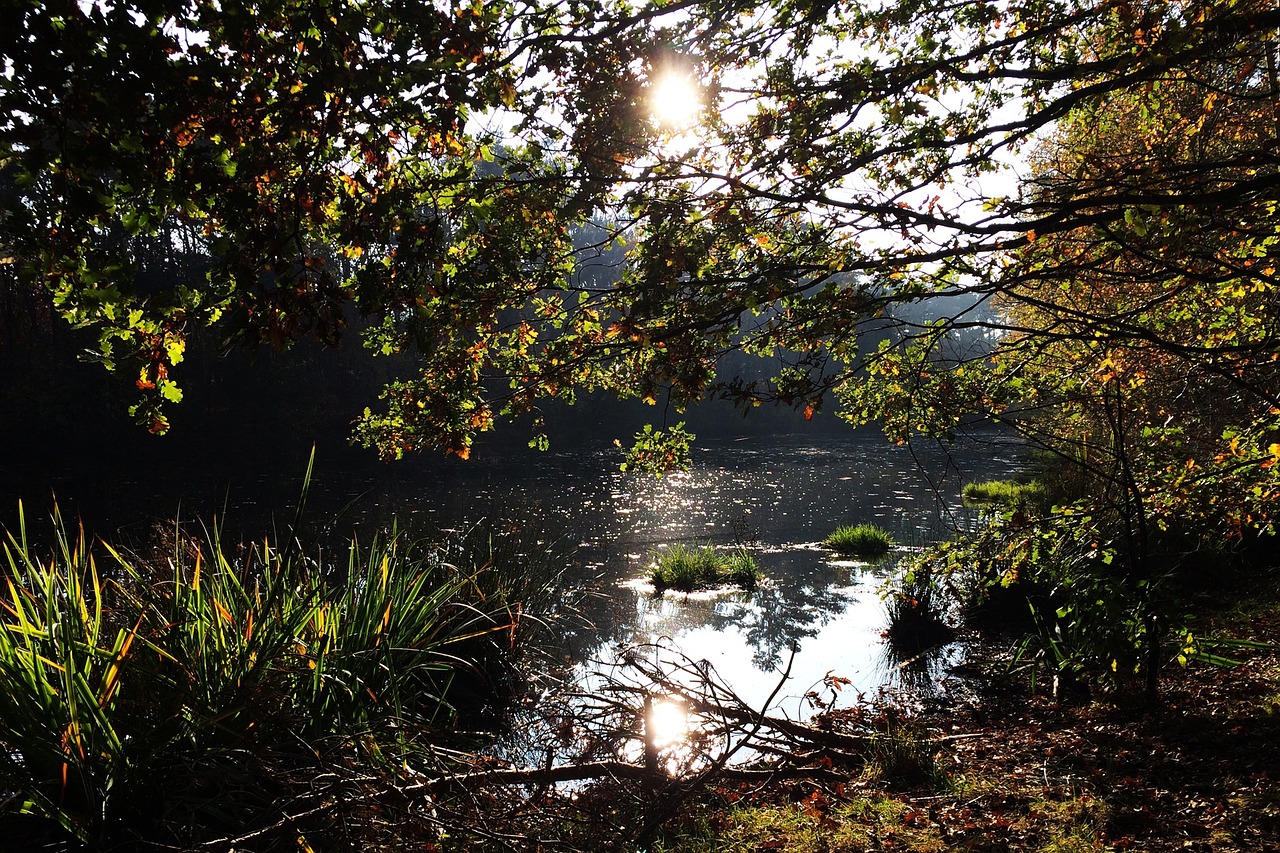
x=222 y=611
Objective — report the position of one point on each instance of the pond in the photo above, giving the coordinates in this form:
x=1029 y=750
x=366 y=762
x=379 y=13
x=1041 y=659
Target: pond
x=778 y=495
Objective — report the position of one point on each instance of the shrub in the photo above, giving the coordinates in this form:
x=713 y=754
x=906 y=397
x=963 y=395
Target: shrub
x=860 y=540
x=688 y=569
x=1082 y=616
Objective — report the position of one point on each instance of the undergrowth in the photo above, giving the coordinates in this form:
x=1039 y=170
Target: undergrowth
x=228 y=689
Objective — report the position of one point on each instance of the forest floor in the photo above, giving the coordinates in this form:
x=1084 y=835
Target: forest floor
x=1199 y=770
x=985 y=764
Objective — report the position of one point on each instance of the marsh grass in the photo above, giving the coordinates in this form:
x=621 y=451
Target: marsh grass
x=1007 y=493
x=176 y=703
x=916 y=611
x=901 y=756
x=860 y=540
x=689 y=569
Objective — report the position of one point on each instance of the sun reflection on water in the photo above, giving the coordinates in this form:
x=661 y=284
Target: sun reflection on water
x=665 y=735
x=667 y=723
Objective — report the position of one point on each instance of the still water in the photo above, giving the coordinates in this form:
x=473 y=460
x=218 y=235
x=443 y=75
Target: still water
x=815 y=614
x=778 y=495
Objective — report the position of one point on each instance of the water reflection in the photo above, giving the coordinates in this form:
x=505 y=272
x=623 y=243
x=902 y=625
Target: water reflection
x=778 y=502
x=778 y=499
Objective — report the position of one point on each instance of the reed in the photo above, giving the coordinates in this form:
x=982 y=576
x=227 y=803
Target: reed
x=916 y=616
x=689 y=569
x=235 y=676
x=1007 y=493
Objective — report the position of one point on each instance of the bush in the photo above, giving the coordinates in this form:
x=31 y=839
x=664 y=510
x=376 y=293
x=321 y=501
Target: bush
x=1081 y=616
x=860 y=540
x=689 y=569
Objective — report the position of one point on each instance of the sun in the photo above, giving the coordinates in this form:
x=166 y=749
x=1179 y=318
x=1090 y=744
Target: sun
x=675 y=101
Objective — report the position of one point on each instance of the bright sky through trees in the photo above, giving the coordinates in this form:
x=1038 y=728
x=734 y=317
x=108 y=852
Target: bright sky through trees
x=675 y=101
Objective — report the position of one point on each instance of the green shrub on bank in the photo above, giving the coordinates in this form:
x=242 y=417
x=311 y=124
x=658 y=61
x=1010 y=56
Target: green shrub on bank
x=860 y=540
x=1081 y=614
x=689 y=569
x=211 y=696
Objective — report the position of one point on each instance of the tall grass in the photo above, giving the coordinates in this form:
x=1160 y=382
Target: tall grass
x=860 y=540
x=916 y=612
x=901 y=756
x=173 y=703
x=60 y=672
x=1008 y=493
x=689 y=569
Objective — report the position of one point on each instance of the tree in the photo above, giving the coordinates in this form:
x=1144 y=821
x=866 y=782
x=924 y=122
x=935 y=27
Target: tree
x=332 y=156
x=1137 y=339
x=305 y=150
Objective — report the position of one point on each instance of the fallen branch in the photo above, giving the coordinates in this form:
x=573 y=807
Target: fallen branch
x=607 y=770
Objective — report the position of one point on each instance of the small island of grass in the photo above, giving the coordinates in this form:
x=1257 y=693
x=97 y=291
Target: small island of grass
x=1008 y=493
x=859 y=540
x=690 y=569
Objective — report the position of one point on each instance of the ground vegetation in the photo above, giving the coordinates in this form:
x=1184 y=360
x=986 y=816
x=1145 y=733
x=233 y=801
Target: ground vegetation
x=689 y=569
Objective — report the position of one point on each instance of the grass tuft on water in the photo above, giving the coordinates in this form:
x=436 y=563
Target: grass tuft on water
x=1005 y=493
x=916 y=617
x=860 y=540
x=690 y=569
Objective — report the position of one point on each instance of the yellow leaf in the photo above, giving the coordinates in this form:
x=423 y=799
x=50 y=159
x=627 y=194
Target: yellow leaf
x=222 y=611
x=386 y=619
